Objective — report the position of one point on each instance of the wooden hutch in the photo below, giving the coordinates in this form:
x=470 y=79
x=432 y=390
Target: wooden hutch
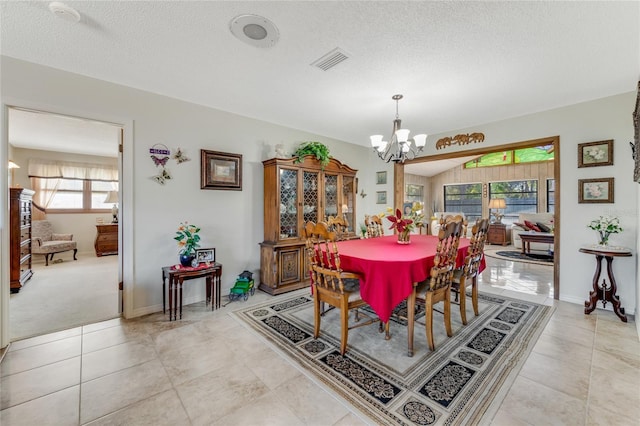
x=20 y=201
x=295 y=193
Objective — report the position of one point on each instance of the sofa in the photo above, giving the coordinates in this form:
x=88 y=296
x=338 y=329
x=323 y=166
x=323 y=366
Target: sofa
x=545 y=219
x=44 y=241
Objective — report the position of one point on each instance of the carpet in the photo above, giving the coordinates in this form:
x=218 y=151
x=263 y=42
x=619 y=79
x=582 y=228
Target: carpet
x=463 y=380
x=517 y=256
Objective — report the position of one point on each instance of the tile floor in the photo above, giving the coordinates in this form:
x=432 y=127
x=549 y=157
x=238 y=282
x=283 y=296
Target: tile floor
x=209 y=369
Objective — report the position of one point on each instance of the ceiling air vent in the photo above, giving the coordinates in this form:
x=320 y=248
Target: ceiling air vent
x=331 y=59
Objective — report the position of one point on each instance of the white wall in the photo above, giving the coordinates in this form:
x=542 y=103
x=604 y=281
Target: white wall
x=231 y=221
x=607 y=118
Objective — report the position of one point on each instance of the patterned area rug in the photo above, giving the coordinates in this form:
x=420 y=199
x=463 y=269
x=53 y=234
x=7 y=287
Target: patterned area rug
x=517 y=256
x=464 y=379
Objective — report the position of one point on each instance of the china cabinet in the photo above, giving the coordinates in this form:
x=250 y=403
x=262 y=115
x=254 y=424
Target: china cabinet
x=295 y=193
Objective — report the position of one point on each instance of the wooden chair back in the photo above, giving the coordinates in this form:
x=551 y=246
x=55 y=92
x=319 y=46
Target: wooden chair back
x=476 y=248
x=374 y=226
x=339 y=225
x=455 y=218
x=444 y=262
x=323 y=257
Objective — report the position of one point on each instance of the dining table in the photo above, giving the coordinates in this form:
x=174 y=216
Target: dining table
x=390 y=270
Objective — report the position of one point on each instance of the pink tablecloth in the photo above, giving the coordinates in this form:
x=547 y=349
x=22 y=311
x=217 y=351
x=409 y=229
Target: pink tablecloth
x=389 y=269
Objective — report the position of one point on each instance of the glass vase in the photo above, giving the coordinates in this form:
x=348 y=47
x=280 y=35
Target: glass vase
x=404 y=237
x=604 y=238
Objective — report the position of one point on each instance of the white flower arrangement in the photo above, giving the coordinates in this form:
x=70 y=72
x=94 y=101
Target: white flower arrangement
x=596 y=153
x=605 y=225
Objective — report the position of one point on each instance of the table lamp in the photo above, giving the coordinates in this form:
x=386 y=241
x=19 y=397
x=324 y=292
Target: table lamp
x=497 y=204
x=112 y=197
x=12 y=167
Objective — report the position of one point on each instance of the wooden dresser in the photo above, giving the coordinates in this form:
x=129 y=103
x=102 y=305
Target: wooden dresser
x=20 y=237
x=106 y=239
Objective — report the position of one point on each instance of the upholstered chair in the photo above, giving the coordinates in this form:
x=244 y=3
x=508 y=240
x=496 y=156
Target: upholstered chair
x=44 y=241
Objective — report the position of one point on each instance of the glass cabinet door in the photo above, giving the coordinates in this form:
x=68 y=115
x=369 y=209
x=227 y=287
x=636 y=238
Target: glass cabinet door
x=330 y=196
x=288 y=203
x=348 y=201
x=309 y=197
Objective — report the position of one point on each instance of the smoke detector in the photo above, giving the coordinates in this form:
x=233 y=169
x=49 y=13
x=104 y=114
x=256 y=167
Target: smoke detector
x=63 y=11
x=254 y=30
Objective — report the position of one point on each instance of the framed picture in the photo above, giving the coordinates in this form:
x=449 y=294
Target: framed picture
x=414 y=190
x=381 y=197
x=206 y=255
x=595 y=190
x=593 y=154
x=220 y=170
x=381 y=178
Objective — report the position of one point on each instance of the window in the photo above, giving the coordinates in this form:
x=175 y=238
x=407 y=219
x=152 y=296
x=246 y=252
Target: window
x=74 y=195
x=551 y=195
x=521 y=196
x=68 y=187
x=516 y=156
x=465 y=198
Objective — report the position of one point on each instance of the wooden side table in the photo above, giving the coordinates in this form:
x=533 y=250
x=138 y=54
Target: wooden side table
x=604 y=292
x=497 y=234
x=106 y=239
x=212 y=274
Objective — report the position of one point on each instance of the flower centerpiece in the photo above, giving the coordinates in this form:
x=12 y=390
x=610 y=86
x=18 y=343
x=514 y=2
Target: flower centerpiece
x=404 y=224
x=605 y=225
x=187 y=238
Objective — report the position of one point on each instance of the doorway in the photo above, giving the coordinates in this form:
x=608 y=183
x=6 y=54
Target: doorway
x=399 y=179
x=68 y=293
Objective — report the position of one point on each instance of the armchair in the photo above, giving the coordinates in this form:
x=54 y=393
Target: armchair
x=46 y=242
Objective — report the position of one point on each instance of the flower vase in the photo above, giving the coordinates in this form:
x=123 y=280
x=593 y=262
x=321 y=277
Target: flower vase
x=404 y=237
x=186 y=259
x=604 y=238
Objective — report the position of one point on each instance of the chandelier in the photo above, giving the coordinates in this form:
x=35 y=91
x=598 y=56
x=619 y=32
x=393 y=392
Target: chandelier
x=400 y=147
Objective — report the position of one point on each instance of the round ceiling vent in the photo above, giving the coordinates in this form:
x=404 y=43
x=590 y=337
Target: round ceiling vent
x=63 y=11
x=254 y=30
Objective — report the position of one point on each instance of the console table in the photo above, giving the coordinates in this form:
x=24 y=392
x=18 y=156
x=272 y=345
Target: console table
x=604 y=292
x=212 y=273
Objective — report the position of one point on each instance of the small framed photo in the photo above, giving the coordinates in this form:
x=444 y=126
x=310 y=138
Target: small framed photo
x=381 y=197
x=220 y=170
x=381 y=178
x=593 y=154
x=595 y=190
x=206 y=255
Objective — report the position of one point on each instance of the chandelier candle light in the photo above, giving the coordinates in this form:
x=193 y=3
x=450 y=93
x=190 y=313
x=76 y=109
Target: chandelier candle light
x=400 y=147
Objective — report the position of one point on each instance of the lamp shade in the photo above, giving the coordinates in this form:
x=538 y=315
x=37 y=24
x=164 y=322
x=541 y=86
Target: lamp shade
x=497 y=203
x=13 y=165
x=112 y=197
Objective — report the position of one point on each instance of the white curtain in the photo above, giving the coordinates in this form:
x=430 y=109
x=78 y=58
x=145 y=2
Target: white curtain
x=61 y=169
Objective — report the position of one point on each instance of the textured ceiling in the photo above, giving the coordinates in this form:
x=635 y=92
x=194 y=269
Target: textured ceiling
x=458 y=64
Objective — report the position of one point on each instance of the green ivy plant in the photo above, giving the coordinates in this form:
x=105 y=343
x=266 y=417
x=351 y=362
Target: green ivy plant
x=317 y=149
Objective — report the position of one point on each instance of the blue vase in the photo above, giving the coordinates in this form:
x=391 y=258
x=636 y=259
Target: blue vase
x=186 y=259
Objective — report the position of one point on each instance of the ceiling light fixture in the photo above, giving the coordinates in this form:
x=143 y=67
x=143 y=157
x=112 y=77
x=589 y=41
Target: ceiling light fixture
x=400 y=147
x=254 y=30
x=63 y=11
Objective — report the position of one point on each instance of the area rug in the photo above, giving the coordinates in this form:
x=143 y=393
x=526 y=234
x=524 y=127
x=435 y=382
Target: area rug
x=517 y=256
x=463 y=381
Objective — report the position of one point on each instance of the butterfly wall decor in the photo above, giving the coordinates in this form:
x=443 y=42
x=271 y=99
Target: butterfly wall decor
x=179 y=156
x=162 y=177
x=159 y=154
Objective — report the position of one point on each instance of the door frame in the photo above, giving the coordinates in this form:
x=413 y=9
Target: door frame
x=125 y=230
x=398 y=190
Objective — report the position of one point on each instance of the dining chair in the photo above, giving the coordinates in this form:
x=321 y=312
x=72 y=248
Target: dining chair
x=331 y=284
x=374 y=226
x=339 y=225
x=468 y=272
x=437 y=287
x=456 y=218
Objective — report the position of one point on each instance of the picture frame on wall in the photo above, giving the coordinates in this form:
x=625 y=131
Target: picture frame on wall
x=381 y=197
x=593 y=154
x=205 y=255
x=599 y=190
x=381 y=178
x=220 y=170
